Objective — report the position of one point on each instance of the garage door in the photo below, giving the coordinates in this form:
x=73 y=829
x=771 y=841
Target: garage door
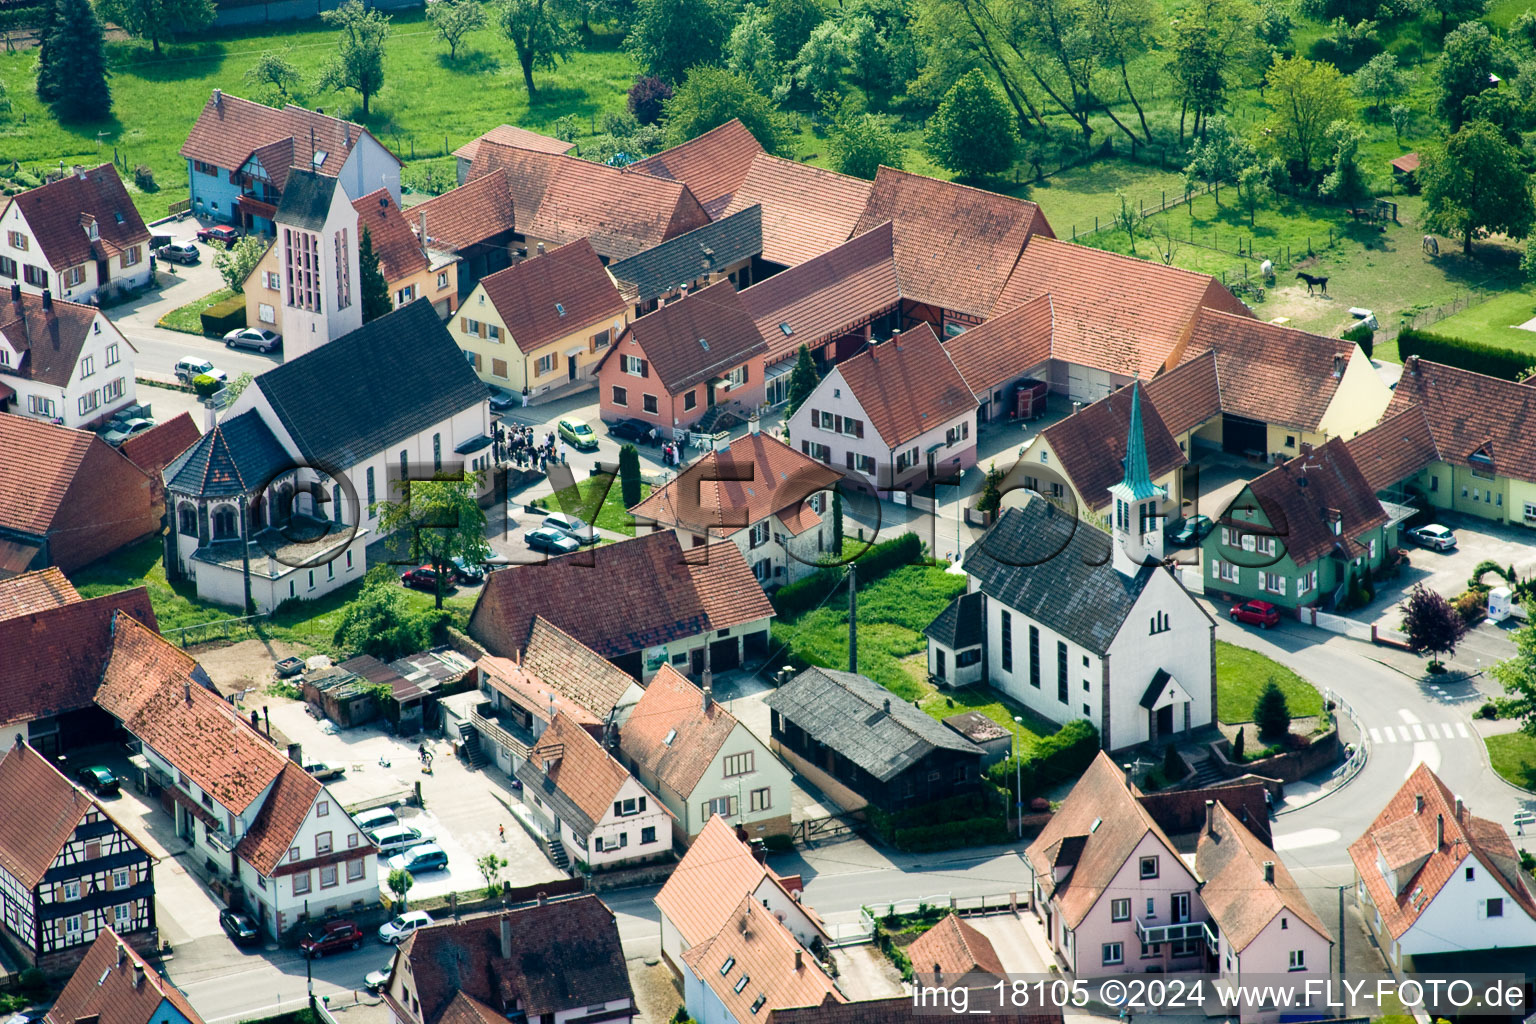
x=723 y=655
x=757 y=644
x=1239 y=435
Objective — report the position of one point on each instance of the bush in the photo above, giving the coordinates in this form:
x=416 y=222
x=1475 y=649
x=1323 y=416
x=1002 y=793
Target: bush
x=778 y=843
x=222 y=317
x=1527 y=861
x=646 y=97
x=1063 y=755
x=32 y=980
x=1485 y=567
x=1489 y=710
x=1471 y=605
x=1363 y=336
x=205 y=385
x=1476 y=356
x=1271 y=713
x=144 y=178
x=1237 y=747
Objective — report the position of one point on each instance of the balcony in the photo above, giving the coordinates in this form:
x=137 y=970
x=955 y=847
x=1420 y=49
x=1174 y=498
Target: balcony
x=1155 y=934
x=500 y=729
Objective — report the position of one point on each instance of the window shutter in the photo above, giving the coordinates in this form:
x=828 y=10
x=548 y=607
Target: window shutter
x=618 y=808
x=645 y=368
x=642 y=805
x=746 y=373
x=850 y=460
x=592 y=344
x=837 y=424
x=464 y=325
x=858 y=428
x=482 y=328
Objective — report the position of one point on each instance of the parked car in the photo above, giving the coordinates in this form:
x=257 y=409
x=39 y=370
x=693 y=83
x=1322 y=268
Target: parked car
x=428 y=857
x=1256 y=613
x=1433 y=536
x=331 y=937
x=404 y=926
x=122 y=430
x=374 y=981
x=392 y=839
x=1186 y=532
x=258 y=338
x=239 y=927
x=577 y=433
x=502 y=399
x=423 y=577
x=188 y=368
x=287 y=668
x=377 y=818
x=548 y=539
x=324 y=770
x=98 y=778
x=637 y=431
x=218 y=233
x=573 y=527
x=467 y=574
x=179 y=252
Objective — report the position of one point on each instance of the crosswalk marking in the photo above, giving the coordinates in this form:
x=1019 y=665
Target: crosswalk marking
x=1461 y=730
x=1375 y=736
x=1419 y=732
x=1402 y=732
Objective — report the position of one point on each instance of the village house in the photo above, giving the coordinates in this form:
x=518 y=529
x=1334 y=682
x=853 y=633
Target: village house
x=1432 y=877
x=241 y=156
x=722 y=250
x=78 y=237
x=63 y=362
x=555 y=962
x=1006 y=361
x=685 y=365
x=842 y=731
x=506 y=135
x=806 y=210
x=543 y=325
x=68 y=871
x=473 y=222
x=768 y=499
x=897 y=416
x=953 y=950
x=712 y=165
x=412 y=268
x=957 y=639
x=154 y=449
x=689 y=750
x=267 y=826
x=752 y=964
x=114 y=985
x=592 y=810
x=1110 y=888
x=70 y=498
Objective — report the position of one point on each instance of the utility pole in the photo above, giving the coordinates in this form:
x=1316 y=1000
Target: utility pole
x=1341 y=934
x=245 y=555
x=853 y=617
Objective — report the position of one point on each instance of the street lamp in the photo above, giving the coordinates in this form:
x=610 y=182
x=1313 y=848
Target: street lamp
x=1018 y=774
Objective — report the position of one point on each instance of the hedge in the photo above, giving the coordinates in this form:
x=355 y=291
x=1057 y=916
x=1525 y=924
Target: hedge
x=953 y=834
x=1363 y=336
x=222 y=317
x=1476 y=356
x=878 y=561
x=1063 y=755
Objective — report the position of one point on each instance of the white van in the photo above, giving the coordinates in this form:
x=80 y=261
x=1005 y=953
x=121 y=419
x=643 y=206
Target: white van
x=393 y=839
x=379 y=817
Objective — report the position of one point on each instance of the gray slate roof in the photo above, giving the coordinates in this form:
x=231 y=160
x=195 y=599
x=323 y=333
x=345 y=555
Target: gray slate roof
x=856 y=717
x=360 y=394
x=960 y=624
x=237 y=456
x=1056 y=569
x=660 y=270
x=306 y=200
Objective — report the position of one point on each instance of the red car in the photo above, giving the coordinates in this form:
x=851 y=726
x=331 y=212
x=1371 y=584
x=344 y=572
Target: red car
x=218 y=233
x=1256 y=613
x=423 y=577
x=331 y=937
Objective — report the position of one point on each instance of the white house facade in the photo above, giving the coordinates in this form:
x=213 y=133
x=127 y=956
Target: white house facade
x=66 y=362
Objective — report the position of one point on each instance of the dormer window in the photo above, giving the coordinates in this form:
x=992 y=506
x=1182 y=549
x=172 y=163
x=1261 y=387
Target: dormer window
x=671 y=735
x=725 y=968
x=785 y=329
x=741 y=982
x=319 y=158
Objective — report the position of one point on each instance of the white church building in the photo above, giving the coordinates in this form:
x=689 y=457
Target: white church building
x=1079 y=623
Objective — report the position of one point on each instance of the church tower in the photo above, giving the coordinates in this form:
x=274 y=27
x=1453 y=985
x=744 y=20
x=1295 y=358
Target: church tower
x=1137 y=502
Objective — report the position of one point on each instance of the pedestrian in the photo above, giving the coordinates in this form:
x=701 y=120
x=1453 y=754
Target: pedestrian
x=562 y=451
x=501 y=830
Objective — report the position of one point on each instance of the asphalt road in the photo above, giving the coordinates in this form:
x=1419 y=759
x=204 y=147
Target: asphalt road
x=159 y=350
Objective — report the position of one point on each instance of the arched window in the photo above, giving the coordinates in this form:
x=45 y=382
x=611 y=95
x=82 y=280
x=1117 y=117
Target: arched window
x=336 y=500
x=187 y=514
x=225 y=523
x=437 y=453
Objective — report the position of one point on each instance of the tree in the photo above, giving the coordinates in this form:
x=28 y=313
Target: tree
x=1469 y=56
x=802 y=381
x=236 y=387
x=358 y=63
x=1173 y=764
x=1308 y=97
x=1402 y=120
x=399 y=884
x=1431 y=625
x=671 y=37
x=445 y=522
x=1253 y=188
x=375 y=290
x=1476 y=186
x=1528 y=262
x=1125 y=220
x=646 y=98
x=538 y=34
x=1221 y=153
x=379 y=620
x=629 y=475
x=1237 y=745
x=1379 y=79
x=861 y=143
x=972 y=133
x=882 y=48
x=48 y=58
x=276 y=73
x=73 y=71
x=1518 y=677
x=1345 y=183
x=491 y=865
x=1457 y=10
x=1271 y=713
x=790 y=23
x=455 y=19
x=751 y=52
x=235 y=263
x=1209 y=40
x=822 y=63
x=156 y=19
x=712 y=96
x=990 y=501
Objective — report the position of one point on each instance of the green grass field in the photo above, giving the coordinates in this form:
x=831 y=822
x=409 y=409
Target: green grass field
x=580 y=498
x=1513 y=756
x=1494 y=322
x=1240 y=677
x=189 y=318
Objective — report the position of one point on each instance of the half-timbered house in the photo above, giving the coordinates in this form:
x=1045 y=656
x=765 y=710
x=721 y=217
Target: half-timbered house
x=68 y=872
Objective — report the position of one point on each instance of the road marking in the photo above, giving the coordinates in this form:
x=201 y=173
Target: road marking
x=1306 y=837
x=1418 y=731
x=1461 y=730
x=1402 y=732
x=1428 y=754
x=1375 y=736
x=1407 y=716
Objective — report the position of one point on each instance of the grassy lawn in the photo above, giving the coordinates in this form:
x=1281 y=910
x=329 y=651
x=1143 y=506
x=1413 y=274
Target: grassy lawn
x=308 y=623
x=1493 y=322
x=943 y=703
x=189 y=318
x=584 y=494
x=1240 y=677
x=1513 y=756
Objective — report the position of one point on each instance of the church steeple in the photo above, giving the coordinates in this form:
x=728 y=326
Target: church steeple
x=1137 y=501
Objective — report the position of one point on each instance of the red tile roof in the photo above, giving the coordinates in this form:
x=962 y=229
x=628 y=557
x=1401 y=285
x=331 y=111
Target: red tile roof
x=161 y=695
x=560 y=199
x=955 y=245
x=701 y=892
x=48 y=343
x=574 y=670
x=806 y=210
x=578 y=766
x=543 y=299
x=398 y=248
x=54 y=657
x=29 y=843
x=1466 y=836
x=713 y=166
x=906 y=385
x=158 y=446
x=1407 y=163
x=113 y=985
x=528 y=690
x=621 y=598
x=42 y=463
x=517 y=138
x=953 y=947
x=838 y=291
x=472 y=213
x=672 y=706
x=1470 y=413
x=1090 y=445
x=1187 y=395
x=754 y=947
x=59 y=213
x=229 y=130
x=1395 y=449
x=721 y=492
x=1113 y=312
x=1004 y=347
x=1230 y=861
x=703 y=335
x=1301 y=495
x=282 y=814
x=34 y=592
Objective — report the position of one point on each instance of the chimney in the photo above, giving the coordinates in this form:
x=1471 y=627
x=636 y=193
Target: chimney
x=218 y=99
x=506 y=936
x=709 y=695
x=887 y=705
x=543 y=898
x=346 y=133
x=138 y=974
x=1411 y=364
x=799 y=958
x=741 y=832
x=1439 y=831
x=541 y=248
x=1418 y=803
x=79 y=170
x=16 y=291
x=47 y=301
x=1461 y=809
x=122 y=954
x=754 y=424
x=1210 y=817
x=186 y=690
x=759 y=851
x=1269 y=872
x=1338 y=366
x=296 y=753
x=210 y=418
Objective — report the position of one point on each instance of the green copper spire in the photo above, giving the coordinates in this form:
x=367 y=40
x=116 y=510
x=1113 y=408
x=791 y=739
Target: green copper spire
x=1138 y=477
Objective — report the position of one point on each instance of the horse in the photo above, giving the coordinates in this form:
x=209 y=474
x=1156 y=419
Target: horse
x=1432 y=245
x=1321 y=283
x=1267 y=270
